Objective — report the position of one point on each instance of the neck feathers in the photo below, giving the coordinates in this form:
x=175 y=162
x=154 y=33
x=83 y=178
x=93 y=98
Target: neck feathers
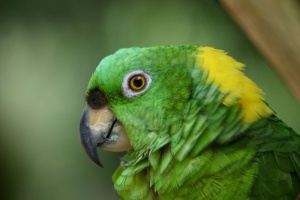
x=226 y=73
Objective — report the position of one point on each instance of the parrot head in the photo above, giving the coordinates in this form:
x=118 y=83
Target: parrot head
x=134 y=97
x=143 y=99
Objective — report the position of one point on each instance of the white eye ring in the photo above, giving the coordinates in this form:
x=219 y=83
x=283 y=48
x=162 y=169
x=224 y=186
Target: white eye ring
x=135 y=83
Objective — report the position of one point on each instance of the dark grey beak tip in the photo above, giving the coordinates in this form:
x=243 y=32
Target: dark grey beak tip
x=89 y=146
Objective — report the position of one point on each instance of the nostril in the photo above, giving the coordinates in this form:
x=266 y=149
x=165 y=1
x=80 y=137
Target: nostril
x=96 y=99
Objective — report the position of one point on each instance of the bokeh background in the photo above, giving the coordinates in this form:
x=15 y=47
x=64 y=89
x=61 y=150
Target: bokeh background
x=48 y=51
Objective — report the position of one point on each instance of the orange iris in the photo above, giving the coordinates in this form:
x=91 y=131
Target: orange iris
x=137 y=82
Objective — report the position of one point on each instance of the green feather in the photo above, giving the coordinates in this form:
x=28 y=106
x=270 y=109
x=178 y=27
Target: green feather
x=188 y=130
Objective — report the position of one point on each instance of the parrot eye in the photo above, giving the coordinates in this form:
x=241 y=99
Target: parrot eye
x=135 y=83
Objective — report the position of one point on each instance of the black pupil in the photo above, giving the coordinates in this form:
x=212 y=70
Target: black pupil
x=138 y=82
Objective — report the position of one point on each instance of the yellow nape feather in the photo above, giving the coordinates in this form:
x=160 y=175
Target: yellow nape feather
x=227 y=73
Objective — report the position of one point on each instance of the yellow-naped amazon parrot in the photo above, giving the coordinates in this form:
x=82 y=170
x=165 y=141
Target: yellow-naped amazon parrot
x=193 y=125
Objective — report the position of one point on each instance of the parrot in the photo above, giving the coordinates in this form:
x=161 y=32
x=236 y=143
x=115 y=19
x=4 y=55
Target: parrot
x=192 y=124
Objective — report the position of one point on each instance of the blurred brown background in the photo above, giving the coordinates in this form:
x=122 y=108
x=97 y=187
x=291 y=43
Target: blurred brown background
x=48 y=51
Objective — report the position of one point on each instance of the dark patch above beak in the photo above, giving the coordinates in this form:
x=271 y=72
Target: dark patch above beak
x=101 y=128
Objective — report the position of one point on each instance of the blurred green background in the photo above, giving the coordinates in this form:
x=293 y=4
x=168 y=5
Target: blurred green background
x=48 y=51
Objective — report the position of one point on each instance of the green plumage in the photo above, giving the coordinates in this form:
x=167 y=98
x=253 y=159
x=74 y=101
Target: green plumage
x=187 y=143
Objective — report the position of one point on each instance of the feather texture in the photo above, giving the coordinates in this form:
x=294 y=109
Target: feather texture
x=201 y=131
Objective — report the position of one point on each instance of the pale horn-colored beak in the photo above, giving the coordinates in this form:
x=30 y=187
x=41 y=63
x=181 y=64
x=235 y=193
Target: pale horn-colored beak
x=101 y=128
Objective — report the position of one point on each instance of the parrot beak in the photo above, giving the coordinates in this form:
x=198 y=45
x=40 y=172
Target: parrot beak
x=101 y=128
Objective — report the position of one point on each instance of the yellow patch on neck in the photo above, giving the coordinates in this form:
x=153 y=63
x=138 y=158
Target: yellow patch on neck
x=226 y=72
